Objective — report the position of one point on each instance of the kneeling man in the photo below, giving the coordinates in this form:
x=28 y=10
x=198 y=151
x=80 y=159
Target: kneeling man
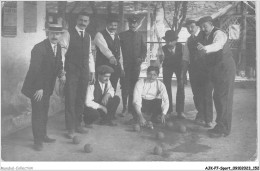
x=101 y=100
x=150 y=96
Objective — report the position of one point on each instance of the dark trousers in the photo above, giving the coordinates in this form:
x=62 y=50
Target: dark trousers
x=167 y=80
x=152 y=107
x=223 y=76
x=202 y=88
x=75 y=94
x=91 y=115
x=40 y=117
x=128 y=84
x=115 y=76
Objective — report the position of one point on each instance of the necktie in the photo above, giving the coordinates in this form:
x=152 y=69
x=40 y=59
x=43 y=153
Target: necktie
x=81 y=34
x=55 y=49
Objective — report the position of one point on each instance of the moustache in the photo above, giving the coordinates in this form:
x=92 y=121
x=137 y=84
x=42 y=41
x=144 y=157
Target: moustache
x=54 y=39
x=83 y=25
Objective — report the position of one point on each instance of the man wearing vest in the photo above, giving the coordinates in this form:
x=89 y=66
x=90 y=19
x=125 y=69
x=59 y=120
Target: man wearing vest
x=79 y=65
x=172 y=63
x=134 y=53
x=109 y=50
x=199 y=78
x=101 y=100
x=221 y=69
x=46 y=64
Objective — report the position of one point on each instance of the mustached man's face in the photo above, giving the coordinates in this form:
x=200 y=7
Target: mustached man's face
x=152 y=76
x=54 y=37
x=192 y=28
x=82 y=22
x=133 y=26
x=112 y=27
x=104 y=78
x=207 y=27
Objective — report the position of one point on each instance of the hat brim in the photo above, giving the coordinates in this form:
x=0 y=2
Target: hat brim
x=168 y=39
x=56 y=31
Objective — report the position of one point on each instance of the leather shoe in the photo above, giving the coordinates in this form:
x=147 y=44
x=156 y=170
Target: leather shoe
x=208 y=125
x=215 y=133
x=38 y=146
x=181 y=115
x=81 y=130
x=70 y=134
x=48 y=139
x=110 y=123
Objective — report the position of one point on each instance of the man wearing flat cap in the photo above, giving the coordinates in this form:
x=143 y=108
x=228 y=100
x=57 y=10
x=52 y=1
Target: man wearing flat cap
x=134 y=53
x=173 y=63
x=221 y=68
x=101 y=100
x=109 y=49
x=199 y=78
x=45 y=66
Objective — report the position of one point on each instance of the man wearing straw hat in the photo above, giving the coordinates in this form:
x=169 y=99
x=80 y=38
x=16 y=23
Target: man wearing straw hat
x=45 y=66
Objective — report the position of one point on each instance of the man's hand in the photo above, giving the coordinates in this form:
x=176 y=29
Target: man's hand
x=92 y=78
x=104 y=109
x=163 y=119
x=200 y=47
x=142 y=121
x=112 y=60
x=122 y=73
x=38 y=95
x=63 y=80
x=105 y=99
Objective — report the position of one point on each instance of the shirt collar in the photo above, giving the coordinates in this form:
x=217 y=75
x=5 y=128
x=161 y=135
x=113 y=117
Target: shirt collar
x=196 y=34
x=110 y=32
x=78 y=29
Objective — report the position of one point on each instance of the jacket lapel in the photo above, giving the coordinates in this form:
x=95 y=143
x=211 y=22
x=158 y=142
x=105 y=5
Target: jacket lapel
x=49 y=51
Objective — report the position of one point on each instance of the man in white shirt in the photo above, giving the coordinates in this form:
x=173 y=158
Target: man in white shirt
x=80 y=70
x=221 y=68
x=199 y=78
x=109 y=50
x=150 y=96
x=101 y=100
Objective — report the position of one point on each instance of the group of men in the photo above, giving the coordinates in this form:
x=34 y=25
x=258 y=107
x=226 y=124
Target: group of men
x=90 y=85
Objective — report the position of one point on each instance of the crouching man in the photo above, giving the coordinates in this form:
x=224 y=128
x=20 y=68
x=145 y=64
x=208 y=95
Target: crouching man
x=150 y=96
x=101 y=100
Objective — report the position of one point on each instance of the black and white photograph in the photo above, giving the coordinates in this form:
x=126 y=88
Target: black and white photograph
x=126 y=85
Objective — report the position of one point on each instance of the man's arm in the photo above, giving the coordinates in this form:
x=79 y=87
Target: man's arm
x=90 y=98
x=101 y=43
x=91 y=63
x=137 y=101
x=219 y=40
x=143 y=49
x=165 y=99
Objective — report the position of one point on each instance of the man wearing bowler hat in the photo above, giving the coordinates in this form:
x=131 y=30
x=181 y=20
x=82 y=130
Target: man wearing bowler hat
x=134 y=53
x=173 y=63
x=221 y=68
x=80 y=70
x=109 y=49
x=101 y=100
x=45 y=66
x=199 y=78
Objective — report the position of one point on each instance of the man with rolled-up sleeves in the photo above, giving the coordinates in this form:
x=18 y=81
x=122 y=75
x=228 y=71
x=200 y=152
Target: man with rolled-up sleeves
x=221 y=68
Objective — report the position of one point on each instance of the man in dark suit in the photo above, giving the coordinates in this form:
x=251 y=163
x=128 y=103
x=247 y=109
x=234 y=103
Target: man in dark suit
x=199 y=77
x=79 y=66
x=134 y=53
x=109 y=49
x=172 y=63
x=45 y=66
x=101 y=100
x=221 y=68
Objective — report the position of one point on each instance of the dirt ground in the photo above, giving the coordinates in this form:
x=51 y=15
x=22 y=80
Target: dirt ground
x=121 y=143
